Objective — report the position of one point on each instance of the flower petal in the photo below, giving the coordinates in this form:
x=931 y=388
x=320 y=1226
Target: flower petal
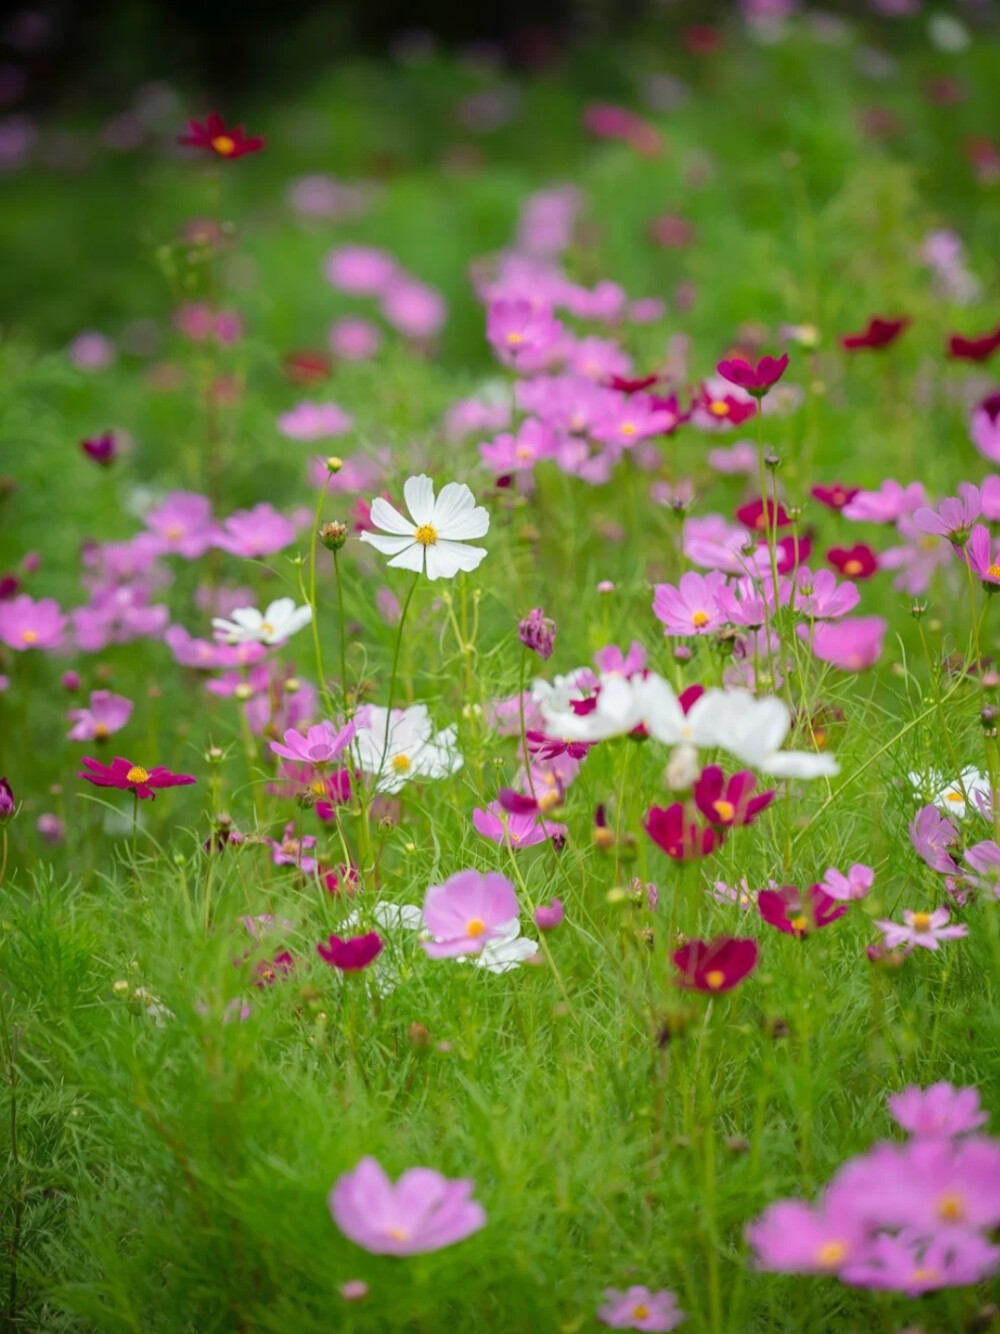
x=419 y=495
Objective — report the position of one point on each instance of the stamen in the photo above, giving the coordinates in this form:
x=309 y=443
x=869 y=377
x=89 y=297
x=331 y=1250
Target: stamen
x=223 y=144
x=921 y=921
x=831 y=1253
x=29 y=636
x=426 y=534
x=402 y=763
x=715 y=978
x=699 y=618
x=475 y=928
x=725 y=810
x=137 y=774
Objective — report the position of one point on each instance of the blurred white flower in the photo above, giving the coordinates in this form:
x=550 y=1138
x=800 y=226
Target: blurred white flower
x=406 y=748
x=248 y=625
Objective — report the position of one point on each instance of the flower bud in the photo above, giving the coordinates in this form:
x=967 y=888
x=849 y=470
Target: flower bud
x=537 y=633
x=334 y=465
x=71 y=681
x=333 y=535
x=549 y=915
x=7 y=803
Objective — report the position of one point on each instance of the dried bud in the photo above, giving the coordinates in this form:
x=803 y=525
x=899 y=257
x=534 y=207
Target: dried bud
x=214 y=755
x=776 y=1027
x=243 y=691
x=537 y=633
x=604 y=838
x=333 y=535
x=419 y=1035
x=120 y=988
x=988 y=716
x=385 y=823
x=772 y=461
x=918 y=609
x=737 y=1144
x=306 y=799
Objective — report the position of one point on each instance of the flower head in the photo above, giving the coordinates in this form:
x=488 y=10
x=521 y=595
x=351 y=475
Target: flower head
x=548 y=916
x=941 y=1111
x=351 y=955
x=435 y=538
x=255 y=533
x=877 y=333
x=129 y=777
x=926 y=929
x=954 y=517
x=932 y=834
x=27 y=624
x=692 y=607
x=857 y=562
x=538 y=633
x=755 y=379
x=714 y=966
x=467 y=912
x=213 y=136
x=677 y=832
x=320 y=745
x=729 y=802
x=106 y=713
x=8 y=803
x=247 y=625
x=854 y=885
x=796 y=912
x=405 y=746
x=639 y=1308
x=423 y=1211
x=101 y=449
x=835 y=496
x=982 y=348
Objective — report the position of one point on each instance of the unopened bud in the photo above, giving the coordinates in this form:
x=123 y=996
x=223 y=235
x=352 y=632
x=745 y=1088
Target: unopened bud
x=120 y=988
x=213 y=755
x=918 y=609
x=333 y=535
x=293 y=685
x=7 y=803
x=419 y=1035
x=334 y=464
x=604 y=838
x=772 y=461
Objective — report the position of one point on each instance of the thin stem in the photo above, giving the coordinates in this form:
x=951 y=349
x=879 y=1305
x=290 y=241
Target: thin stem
x=349 y=708
x=317 y=647
x=3 y=859
x=395 y=669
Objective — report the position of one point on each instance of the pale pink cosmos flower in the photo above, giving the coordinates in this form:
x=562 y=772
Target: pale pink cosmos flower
x=917 y=560
x=932 y=834
x=521 y=333
x=984 y=859
x=984 y=428
x=519 y=830
x=640 y=1308
x=954 y=517
x=913 y=1263
x=853 y=645
x=819 y=596
x=27 y=624
x=415 y=309
x=182 y=524
x=256 y=532
x=471 y=415
x=467 y=912
x=854 y=885
x=423 y=1211
x=921 y=928
x=320 y=745
x=519 y=453
x=611 y=661
x=738 y=458
x=793 y=1237
x=354 y=339
x=90 y=350
x=598 y=359
x=690 y=608
x=889 y=503
x=941 y=1111
x=314 y=421
x=989 y=495
x=106 y=714
x=360 y=270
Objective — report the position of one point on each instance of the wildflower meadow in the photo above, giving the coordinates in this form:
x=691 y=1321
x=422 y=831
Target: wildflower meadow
x=499 y=689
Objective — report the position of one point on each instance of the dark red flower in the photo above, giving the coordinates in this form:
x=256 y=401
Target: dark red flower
x=9 y=585
x=798 y=913
x=944 y=91
x=991 y=406
x=857 y=562
x=672 y=404
x=267 y=971
x=835 y=497
x=627 y=386
x=877 y=333
x=715 y=965
x=129 y=777
x=756 y=380
x=307 y=366
x=343 y=880
x=671 y=231
x=674 y=829
x=701 y=39
x=215 y=138
x=729 y=802
x=689 y=697
x=336 y=788
x=974 y=349
x=100 y=448
x=548 y=748
x=752 y=516
x=8 y=804
x=727 y=408
x=351 y=955
x=792 y=551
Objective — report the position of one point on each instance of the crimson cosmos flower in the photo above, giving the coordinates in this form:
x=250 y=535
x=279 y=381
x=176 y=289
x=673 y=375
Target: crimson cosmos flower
x=214 y=137
x=974 y=349
x=725 y=409
x=728 y=802
x=100 y=448
x=674 y=829
x=877 y=333
x=353 y=954
x=752 y=516
x=715 y=965
x=797 y=913
x=756 y=380
x=857 y=562
x=626 y=386
x=307 y=366
x=835 y=497
x=129 y=777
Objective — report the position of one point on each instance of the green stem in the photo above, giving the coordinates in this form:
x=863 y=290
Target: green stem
x=317 y=647
x=349 y=708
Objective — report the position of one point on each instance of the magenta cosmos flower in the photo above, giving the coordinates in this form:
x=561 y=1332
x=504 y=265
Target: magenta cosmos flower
x=756 y=380
x=183 y=524
x=213 y=136
x=106 y=713
x=877 y=333
x=467 y=912
x=921 y=928
x=26 y=624
x=792 y=1237
x=714 y=966
x=727 y=802
x=520 y=333
x=690 y=608
x=101 y=449
x=256 y=532
x=320 y=745
x=979 y=554
x=985 y=427
x=941 y=1111
x=350 y=955
x=549 y=915
x=129 y=777
x=676 y=832
x=522 y=829
x=639 y=1308
x=423 y=1211
x=889 y=503
x=795 y=912
x=414 y=309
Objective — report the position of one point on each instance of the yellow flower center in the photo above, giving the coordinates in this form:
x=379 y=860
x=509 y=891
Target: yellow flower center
x=137 y=774
x=628 y=428
x=524 y=452
x=100 y=731
x=548 y=800
x=951 y=1207
x=266 y=628
x=475 y=928
x=925 y=1274
x=725 y=810
x=175 y=530
x=402 y=764
x=290 y=847
x=426 y=534
x=243 y=691
x=800 y=923
x=994 y=571
x=29 y=636
x=954 y=795
x=319 y=787
x=515 y=338
x=640 y=1312
x=719 y=408
x=921 y=921
x=397 y=1233
x=831 y=1253
x=715 y=978
x=699 y=618
x=852 y=567
x=223 y=144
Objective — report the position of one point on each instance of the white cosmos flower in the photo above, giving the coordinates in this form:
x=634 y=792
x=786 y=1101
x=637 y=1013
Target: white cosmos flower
x=504 y=952
x=953 y=797
x=414 y=750
x=735 y=721
x=248 y=625
x=435 y=537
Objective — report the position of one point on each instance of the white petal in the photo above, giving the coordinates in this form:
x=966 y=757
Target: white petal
x=445 y=559
x=248 y=617
x=456 y=516
x=277 y=611
x=419 y=495
x=388 y=518
x=389 y=546
x=799 y=764
x=298 y=619
x=501 y=957
x=410 y=559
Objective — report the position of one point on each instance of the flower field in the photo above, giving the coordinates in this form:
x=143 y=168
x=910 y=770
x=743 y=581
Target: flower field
x=499 y=691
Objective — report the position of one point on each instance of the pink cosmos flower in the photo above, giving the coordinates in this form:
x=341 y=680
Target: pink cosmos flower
x=887 y=504
x=917 y=560
x=728 y=803
x=106 y=713
x=854 y=885
x=793 y=1237
x=640 y=1308
x=821 y=598
x=314 y=421
x=733 y=459
x=756 y=380
x=629 y=419
x=796 y=912
x=984 y=428
x=598 y=359
x=853 y=645
x=129 y=777
x=514 y=454
x=416 y=310
x=984 y=859
x=470 y=415
x=954 y=517
x=691 y=608
x=103 y=449
x=941 y=1111
x=915 y=1264
x=549 y=916
x=27 y=624
x=521 y=333
x=360 y=270
x=351 y=955
x=357 y=473
x=90 y=350
x=183 y=524
x=292 y=851
x=353 y=339
x=921 y=928
x=611 y=661
x=422 y=1212
x=320 y=745
x=932 y=834
x=467 y=912
x=255 y=533
x=520 y=829
x=979 y=554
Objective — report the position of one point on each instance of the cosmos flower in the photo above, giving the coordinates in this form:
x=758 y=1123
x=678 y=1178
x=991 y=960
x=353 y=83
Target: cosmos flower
x=979 y=553
x=129 y=777
x=954 y=517
x=729 y=802
x=889 y=503
x=314 y=421
x=360 y=270
x=953 y=797
x=215 y=138
x=182 y=524
x=520 y=332
x=27 y=624
x=422 y=1212
x=351 y=955
x=854 y=885
x=405 y=748
x=547 y=916
x=676 y=831
x=435 y=538
x=640 y=1308
x=101 y=449
x=984 y=428
x=857 y=562
x=979 y=348
x=796 y=912
x=247 y=625
x=932 y=834
x=755 y=379
x=921 y=928
x=320 y=745
x=853 y=644
x=941 y=1111
x=878 y=333
x=467 y=912
x=520 y=830
x=691 y=607
x=105 y=714
x=715 y=966
x=256 y=532
x=835 y=496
